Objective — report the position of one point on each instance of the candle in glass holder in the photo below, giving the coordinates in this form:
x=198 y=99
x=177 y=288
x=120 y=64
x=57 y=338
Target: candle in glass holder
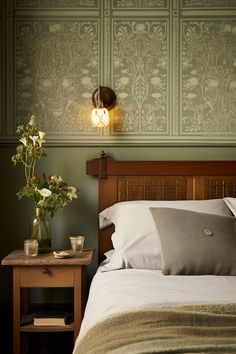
x=77 y=243
x=31 y=247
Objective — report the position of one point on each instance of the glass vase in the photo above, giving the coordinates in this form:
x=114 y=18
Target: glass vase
x=42 y=230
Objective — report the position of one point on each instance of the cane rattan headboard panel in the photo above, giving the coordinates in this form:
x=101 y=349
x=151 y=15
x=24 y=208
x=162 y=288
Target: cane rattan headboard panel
x=158 y=180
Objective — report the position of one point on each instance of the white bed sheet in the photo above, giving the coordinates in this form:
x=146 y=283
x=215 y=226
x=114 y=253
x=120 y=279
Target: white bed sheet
x=128 y=289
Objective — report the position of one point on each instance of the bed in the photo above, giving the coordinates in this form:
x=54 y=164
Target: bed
x=167 y=259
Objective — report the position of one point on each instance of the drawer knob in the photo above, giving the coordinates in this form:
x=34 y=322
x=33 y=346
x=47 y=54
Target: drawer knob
x=45 y=271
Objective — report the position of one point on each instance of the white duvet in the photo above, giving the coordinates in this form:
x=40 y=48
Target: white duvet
x=127 y=289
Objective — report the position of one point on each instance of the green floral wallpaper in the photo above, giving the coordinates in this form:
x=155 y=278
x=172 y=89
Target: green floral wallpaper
x=172 y=64
x=140 y=76
x=208 y=77
x=56 y=86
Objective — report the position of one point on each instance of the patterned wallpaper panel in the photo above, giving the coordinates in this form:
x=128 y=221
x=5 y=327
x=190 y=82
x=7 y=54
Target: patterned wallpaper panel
x=140 y=75
x=172 y=64
x=56 y=71
x=208 y=80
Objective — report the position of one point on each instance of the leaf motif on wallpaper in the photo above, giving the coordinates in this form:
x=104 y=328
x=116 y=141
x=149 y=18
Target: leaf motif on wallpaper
x=192 y=33
x=152 y=119
x=140 y=58
x=124 y=120
x=139 y=84
x=208 y=84
x=56 y=70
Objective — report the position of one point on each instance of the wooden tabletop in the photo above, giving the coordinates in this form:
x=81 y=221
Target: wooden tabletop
x=17 y=257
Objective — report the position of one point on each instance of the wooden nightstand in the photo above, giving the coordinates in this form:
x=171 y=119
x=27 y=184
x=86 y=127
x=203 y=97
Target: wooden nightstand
x=46 y=271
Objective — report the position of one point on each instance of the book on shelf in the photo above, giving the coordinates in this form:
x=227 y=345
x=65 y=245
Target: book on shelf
x=48 y=318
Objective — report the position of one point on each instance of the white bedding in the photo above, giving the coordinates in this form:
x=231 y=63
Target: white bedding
x=131 y=277
x=121 y=290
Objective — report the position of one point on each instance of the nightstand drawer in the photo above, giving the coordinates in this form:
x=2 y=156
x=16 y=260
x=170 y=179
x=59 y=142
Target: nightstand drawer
x=46 y=276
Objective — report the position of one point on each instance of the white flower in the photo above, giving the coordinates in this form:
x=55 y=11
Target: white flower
x=32 y=120
x=34 y=138
x=44 y=192
x=57 y=179
x=41 y=135
x=23 y=141
x=71 y=192
x=40 y=142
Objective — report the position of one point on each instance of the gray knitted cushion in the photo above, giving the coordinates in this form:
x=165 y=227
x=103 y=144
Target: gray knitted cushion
x=196 y=243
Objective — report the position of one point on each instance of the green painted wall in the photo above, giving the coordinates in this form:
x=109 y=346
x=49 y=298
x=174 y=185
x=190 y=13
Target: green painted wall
x=130 y=136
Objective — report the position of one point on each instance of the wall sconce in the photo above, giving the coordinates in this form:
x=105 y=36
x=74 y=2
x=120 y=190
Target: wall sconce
x=103 y=99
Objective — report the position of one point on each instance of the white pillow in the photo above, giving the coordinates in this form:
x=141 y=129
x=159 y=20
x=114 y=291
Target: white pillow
x=135 y=238
x=231 y=203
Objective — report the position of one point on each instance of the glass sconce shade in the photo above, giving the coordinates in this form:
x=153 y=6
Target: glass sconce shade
x=103 y=99
x=100 y=117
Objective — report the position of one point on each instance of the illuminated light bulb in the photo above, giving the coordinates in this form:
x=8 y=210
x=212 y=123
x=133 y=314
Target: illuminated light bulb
x=100 y=117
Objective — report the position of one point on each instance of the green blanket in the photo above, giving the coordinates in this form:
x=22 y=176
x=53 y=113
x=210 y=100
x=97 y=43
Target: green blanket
x=173 y=329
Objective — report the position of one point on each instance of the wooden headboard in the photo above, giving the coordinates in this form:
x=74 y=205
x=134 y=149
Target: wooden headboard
x=158 y=180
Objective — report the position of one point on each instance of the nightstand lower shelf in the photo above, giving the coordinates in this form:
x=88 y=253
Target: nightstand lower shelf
x=32 y=328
